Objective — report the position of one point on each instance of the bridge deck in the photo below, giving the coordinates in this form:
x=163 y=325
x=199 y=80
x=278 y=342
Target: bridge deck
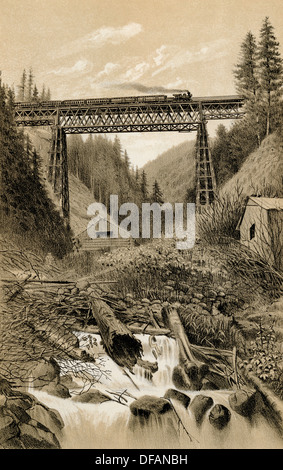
x=129 y=114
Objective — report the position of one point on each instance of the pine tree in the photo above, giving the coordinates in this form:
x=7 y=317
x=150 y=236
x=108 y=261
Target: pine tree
x=35 y=94
x=126 y=159
x=29 y=85
x=24 y=204
x=117 y=147
x=247 y=83
x=43 y=93
x=137 y=175
x=144 y=189
x=48 y=95
x=270 y=75
x=22 y=87
x=157 y=195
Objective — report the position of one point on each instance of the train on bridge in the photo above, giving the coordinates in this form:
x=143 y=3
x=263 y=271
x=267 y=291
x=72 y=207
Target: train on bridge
x=186 y=95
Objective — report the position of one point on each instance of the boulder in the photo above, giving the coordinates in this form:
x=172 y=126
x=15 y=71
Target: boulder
x=75 y=291
x=219 y=416
x=187 y=377
x=203 y=305
x=8 y=427
x=3 y=400
x=198 y=296
x=208 y=385
x=56 y=389
x=68 y=381
x=13 y=443
x=34 y=436
x=174 y=394
x=180 y=379
x=51 y=419
x=82 y=284
x=150 y=405
x=5 y=387
x=211 y=294
x=18 y=413
x=45 y=372
x=243 y=402
x=94 y=396
x=199 y=406
x=203 y=371
x=22 y=400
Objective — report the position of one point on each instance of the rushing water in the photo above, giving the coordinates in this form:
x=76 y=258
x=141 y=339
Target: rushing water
x=110 y=425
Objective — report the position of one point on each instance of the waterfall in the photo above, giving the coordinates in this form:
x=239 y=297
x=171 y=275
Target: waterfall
x=110 y=425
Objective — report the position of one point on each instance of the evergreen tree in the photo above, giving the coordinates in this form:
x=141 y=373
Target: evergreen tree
x=35 y=94
x=43 y=93
x=97 y=162
x=126 y=159
x=24 y=205
x=29 y=86
x=157 y=195
x=143 y=187
x=22 y=87
x=270 y=75
x=137 y=175
x=247 y=83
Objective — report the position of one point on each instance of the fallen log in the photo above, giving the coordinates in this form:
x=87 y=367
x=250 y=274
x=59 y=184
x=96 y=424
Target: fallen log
x=119 y=342
x=61 y=339
x=172 y=320
x=219 y=371
x=143 y=329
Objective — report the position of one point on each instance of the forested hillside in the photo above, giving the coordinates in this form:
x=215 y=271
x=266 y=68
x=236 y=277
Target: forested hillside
x=259 y=79
x=104 y=168
x=262 y=172
x=28 y=216
x=175 y=171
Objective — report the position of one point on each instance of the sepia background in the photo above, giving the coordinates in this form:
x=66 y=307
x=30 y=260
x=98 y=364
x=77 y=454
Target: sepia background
x=94 y=48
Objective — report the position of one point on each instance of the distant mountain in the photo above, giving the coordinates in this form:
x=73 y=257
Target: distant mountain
x=174 y=170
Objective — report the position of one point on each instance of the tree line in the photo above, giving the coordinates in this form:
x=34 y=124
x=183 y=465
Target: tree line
x=259 y=79
x=28 y=90
x=28 y=217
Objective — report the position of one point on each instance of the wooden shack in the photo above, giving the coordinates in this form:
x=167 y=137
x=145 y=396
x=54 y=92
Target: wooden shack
x=101 y=240
x=261 y=228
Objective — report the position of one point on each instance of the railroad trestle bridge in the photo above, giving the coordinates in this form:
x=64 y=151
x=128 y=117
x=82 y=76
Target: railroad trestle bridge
x=158 y=113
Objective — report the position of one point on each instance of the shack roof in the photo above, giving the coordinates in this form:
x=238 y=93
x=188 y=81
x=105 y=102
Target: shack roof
x=267 y=203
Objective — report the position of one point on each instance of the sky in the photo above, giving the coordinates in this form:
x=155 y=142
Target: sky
x=106 y=48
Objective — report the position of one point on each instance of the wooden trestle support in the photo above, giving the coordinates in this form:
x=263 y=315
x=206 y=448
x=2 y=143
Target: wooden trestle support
x=58 y=169
x=205 y=176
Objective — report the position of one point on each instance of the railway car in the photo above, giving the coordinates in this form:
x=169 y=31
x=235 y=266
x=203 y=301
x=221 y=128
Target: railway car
x=218 y=99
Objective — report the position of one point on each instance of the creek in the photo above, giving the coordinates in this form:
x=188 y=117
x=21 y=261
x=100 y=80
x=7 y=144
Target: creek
x=111 y=425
